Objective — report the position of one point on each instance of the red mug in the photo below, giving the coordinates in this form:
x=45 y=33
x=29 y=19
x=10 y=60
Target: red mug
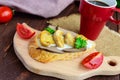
x=94 y=16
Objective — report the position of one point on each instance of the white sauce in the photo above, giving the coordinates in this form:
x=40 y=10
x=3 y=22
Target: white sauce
x=65 y=47
x=89 y=44
x=52 y=45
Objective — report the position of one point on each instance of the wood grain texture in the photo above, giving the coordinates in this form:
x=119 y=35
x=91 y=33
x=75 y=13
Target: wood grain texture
x=10 y=66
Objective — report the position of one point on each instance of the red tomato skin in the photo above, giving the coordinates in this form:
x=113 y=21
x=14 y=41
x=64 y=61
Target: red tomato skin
x=6 y=14
x=93 y=60
x=24 y=32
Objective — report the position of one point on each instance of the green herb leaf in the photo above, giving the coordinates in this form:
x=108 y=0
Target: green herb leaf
x=50 y=30
x=80 y=43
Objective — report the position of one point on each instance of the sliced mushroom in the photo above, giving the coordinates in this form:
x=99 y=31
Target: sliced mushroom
x=74 y=50
x=51 y=49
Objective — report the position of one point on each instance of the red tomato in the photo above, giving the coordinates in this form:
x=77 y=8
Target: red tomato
x=5 y=14
x=93 y=60
x=24 y=32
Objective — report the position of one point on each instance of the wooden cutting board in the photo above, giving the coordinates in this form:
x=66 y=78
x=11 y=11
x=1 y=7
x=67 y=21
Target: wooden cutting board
x=69 y=70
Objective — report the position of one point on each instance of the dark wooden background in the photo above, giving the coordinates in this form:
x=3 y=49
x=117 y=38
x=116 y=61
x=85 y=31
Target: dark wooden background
x=10 y=66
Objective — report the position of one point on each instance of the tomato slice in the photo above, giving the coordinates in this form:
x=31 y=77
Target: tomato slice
x=24 y=32
x=93 y=60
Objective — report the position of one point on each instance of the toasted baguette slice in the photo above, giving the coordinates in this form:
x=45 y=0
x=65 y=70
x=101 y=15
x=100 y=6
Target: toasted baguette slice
x=45 y=56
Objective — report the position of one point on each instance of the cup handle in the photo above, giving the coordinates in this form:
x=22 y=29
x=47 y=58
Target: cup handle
x=114 y=20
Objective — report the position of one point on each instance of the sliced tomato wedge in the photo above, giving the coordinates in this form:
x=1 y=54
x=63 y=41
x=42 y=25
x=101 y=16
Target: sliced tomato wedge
x=24 y=32
x=93 y=60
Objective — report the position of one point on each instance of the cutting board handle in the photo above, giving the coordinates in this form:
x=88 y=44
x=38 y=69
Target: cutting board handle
x=110 y=66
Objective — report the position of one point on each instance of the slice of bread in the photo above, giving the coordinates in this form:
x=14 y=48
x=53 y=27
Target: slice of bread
x=45 y=56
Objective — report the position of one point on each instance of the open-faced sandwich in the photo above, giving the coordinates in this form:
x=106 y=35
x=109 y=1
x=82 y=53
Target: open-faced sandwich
x=53 y=44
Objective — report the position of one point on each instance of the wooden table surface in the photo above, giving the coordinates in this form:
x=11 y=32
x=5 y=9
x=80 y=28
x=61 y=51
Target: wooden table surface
x=10 y=66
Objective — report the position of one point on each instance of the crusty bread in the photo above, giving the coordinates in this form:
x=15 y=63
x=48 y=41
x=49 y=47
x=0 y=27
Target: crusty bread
x=44 y=56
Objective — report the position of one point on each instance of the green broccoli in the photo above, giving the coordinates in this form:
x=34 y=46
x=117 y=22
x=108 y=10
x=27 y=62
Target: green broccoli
x=50 y=30
x=80 y=43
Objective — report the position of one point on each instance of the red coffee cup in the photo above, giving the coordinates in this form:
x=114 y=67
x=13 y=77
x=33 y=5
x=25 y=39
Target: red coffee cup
x=94 y=16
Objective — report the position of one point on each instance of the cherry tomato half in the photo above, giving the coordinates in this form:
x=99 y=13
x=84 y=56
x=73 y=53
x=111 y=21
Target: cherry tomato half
x=6 y=14
x=93 y=60
x=24 y=32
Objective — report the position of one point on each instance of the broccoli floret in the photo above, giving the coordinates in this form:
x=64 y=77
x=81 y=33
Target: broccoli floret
x=50 y=30
x=80 y=43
